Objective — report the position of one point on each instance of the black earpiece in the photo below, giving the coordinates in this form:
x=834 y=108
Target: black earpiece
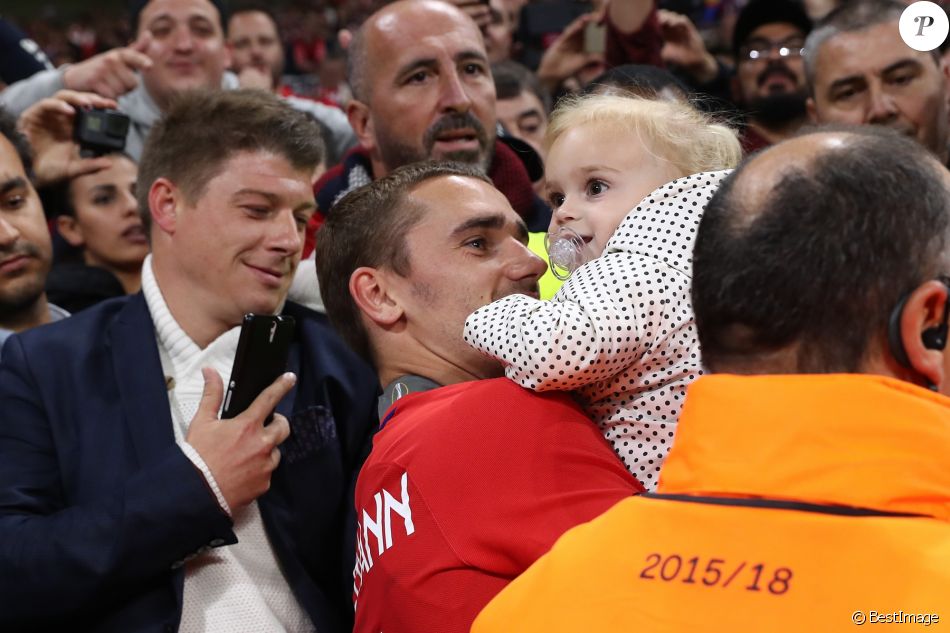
x=894 y=340
x=933 y=338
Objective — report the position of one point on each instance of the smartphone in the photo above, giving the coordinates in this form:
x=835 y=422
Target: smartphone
x=595 y=38
x=261 y=358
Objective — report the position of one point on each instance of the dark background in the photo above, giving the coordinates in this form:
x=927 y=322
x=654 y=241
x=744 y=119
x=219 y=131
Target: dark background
x=62 y=8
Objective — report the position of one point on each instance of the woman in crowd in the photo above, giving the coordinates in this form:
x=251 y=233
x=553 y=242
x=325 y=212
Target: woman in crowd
x=628 y=179
x=101 y=240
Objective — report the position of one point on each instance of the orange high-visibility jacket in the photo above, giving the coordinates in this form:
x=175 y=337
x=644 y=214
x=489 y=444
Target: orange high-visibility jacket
x=788 y=503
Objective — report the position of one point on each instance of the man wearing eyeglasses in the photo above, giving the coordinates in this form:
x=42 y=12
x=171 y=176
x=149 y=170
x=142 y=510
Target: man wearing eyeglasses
x=860 y=72
x=770 y=77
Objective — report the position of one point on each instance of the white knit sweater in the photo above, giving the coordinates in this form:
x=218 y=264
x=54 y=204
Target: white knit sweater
x=238 y=587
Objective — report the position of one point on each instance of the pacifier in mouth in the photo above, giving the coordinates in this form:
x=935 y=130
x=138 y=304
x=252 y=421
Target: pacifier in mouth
x=566 y=252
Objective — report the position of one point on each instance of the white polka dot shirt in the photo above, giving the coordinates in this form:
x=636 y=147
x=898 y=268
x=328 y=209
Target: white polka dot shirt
x=620 y=332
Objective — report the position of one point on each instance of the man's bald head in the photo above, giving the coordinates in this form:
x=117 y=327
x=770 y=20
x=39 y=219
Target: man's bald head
x=422 y=87
x=807 y=247
x=767 y=169
x=370 y=41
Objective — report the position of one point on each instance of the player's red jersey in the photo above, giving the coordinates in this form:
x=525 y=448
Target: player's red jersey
x=466 y=486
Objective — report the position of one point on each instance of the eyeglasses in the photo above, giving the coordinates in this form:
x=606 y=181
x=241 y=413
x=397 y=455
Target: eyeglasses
x=760 y=49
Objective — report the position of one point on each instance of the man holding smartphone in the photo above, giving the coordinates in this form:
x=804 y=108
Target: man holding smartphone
x=126 y=504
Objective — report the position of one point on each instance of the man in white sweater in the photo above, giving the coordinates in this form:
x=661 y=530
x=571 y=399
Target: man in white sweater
x=125 y=503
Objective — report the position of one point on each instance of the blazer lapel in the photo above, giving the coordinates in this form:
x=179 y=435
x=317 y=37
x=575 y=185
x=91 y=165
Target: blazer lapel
x=140 y=380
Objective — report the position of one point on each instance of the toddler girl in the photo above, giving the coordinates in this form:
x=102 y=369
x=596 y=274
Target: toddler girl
x=620 y=331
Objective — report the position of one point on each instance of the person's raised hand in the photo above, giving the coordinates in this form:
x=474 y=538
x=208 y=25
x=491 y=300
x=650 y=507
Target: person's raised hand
x=251 y=77
x=565 y=57
x=241 y=452
x=48 y=126
x=683 y=47
x=112 y=73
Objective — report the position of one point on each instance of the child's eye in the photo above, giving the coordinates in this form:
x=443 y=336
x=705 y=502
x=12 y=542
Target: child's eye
x=556 y=199
x=596 y=187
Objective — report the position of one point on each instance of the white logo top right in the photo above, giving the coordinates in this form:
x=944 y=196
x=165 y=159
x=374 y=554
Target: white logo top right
x=924 y=26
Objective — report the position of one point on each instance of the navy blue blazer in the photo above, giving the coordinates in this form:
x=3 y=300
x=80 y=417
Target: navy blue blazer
x=99 y=508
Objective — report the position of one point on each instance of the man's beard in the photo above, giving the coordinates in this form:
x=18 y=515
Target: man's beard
x=15 y=302
x=395 y=153
x=778 y=109
x=12 y=305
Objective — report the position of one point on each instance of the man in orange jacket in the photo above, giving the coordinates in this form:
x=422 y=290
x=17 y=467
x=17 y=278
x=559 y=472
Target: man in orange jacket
x=807 y=488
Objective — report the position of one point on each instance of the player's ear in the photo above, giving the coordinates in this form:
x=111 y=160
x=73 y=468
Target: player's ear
x=371 y=289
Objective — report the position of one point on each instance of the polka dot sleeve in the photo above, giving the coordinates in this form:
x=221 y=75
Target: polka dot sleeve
x=620 y=332
x=586 y=333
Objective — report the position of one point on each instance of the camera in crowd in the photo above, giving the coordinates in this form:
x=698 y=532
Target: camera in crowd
x=100 y=131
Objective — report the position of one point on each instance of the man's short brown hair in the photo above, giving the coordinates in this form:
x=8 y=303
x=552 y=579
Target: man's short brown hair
x=368 y=227
x=203 y=129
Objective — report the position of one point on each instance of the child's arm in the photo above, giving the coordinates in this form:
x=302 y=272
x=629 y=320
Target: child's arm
x=605 y=318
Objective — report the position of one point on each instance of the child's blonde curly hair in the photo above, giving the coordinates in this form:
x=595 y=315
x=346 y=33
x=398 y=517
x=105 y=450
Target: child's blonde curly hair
x=672 y=131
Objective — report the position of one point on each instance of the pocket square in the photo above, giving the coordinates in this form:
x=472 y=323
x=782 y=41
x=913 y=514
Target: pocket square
x=310 y=430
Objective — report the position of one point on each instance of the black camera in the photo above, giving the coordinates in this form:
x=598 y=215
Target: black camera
x=100 y=131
